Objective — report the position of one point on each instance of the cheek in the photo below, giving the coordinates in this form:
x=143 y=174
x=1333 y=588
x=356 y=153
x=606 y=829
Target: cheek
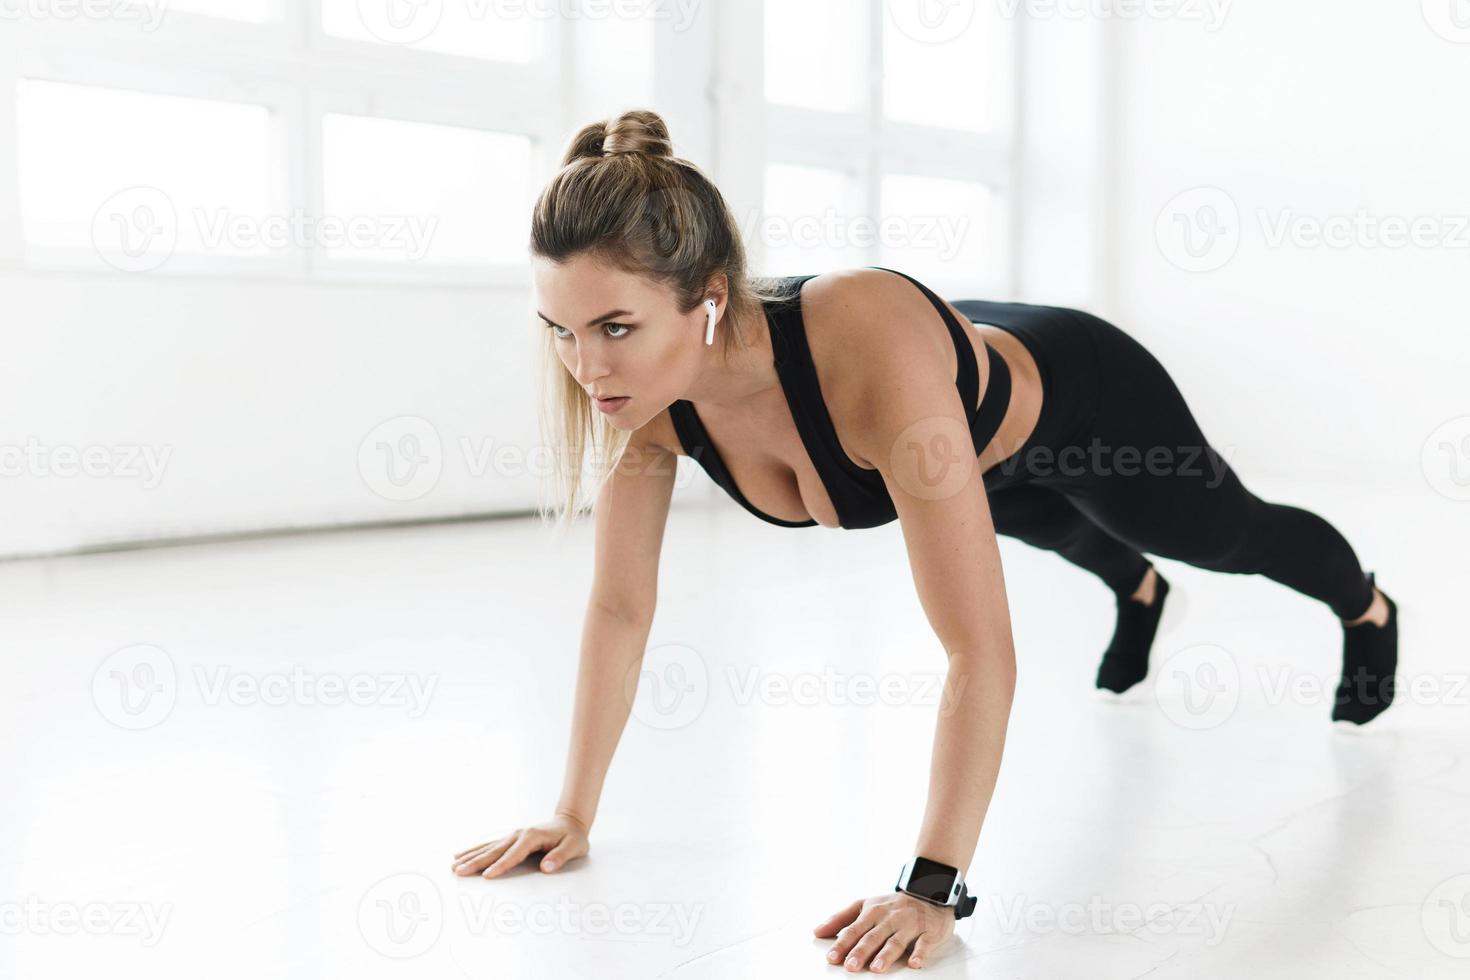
x=664 y=366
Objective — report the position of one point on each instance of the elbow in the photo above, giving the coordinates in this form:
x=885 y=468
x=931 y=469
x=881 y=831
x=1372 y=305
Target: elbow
x=993 y=669
x=635 y=614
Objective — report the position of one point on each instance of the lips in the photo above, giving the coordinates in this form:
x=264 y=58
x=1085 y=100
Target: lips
x=611 y=404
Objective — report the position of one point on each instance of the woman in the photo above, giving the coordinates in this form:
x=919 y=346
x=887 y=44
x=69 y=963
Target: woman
x=847 y=400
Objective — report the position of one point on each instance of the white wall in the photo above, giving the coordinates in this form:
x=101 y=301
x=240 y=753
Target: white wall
x=1336 y=362
x=257 y=396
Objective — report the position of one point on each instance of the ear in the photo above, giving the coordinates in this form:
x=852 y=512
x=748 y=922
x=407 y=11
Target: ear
x=717 y=289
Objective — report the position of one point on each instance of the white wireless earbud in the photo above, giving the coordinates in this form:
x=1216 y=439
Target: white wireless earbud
x=709 y=331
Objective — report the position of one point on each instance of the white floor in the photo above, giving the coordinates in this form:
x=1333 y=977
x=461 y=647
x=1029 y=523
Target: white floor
x=186 y=794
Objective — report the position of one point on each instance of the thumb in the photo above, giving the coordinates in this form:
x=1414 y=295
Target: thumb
x=558 y=855
x=839 y=919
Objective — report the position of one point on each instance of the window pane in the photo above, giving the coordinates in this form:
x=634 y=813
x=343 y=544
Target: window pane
x=952 y=71
x=613 y=67
x=816 y=54
x=423 y=192
x=255 y=11
x=139 y=176
x=812 y=221
x=945 y=232
x=473 y=28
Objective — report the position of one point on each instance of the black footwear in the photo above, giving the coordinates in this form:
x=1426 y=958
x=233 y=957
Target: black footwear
x=1125 y=662
x=1370 y=658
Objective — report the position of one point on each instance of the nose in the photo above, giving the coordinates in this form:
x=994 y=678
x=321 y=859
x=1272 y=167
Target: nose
x=591 y=365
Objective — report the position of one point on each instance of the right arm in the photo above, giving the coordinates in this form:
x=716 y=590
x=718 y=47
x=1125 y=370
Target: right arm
x=630 y=516
x=629 y=519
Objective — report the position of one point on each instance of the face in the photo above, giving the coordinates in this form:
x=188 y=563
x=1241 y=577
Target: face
x=620 y=336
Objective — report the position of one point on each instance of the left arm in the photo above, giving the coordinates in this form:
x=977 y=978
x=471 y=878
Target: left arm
x=920 y=441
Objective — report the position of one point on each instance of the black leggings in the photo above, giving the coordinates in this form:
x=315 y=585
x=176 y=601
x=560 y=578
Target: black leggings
x=1117 y=466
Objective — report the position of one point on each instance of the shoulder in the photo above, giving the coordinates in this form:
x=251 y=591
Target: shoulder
x=874 y=337
x=872 y=319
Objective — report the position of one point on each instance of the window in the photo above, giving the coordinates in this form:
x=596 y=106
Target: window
x=814 y=54
x=424 y=192
x=499 y=31
x=139 y=176
x=257 y=137
x=889 y=131
x=942 y=232
x=812 y=220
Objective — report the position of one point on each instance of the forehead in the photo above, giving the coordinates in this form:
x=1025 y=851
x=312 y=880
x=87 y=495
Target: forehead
x=583 y=286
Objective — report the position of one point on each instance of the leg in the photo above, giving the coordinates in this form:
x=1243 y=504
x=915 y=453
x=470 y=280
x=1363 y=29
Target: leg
x=1148 y=476
x=1045 y=519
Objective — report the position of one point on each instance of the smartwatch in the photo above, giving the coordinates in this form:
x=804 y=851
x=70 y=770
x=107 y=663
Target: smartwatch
x=937 y=883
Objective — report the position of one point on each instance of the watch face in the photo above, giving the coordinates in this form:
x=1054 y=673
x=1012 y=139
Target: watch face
x=934 y=881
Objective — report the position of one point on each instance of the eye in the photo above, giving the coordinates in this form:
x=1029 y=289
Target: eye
x=560 y=333
x=628 y=328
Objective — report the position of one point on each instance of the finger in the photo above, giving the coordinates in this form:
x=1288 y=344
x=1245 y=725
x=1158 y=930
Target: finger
x=475 y=863
x=484 y=855
x=471 y=850
x=469 y=856
x=867 y=946
x=922 y=949
x=559 y=855
x=515 y=854
x=839 y=919
x=893 y=950
x=848 y=938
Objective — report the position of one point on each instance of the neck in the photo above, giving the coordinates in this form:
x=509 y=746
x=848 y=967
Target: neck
x=746 y=372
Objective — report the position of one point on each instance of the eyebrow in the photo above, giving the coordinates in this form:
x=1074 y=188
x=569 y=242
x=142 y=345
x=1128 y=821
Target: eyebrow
x=609 y=315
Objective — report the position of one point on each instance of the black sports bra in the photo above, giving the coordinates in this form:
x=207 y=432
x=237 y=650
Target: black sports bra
x=858 y=493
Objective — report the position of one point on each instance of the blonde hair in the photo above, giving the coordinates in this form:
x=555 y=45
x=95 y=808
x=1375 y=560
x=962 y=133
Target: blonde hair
x=623 y=198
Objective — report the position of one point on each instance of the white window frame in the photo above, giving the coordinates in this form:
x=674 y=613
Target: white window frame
x=861 y=144
x=299 y=74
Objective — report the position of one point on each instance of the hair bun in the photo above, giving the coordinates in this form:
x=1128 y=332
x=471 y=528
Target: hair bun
x=638 y=132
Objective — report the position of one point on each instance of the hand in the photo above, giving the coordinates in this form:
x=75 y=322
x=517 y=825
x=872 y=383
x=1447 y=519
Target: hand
x=887 y=925
x=563 y=837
